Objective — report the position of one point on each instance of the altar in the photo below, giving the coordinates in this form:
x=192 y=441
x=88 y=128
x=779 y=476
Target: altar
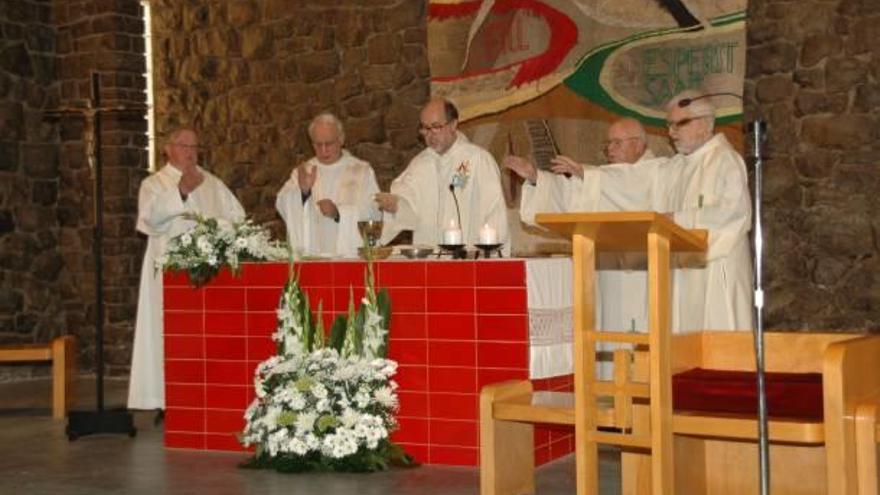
x=455 y=327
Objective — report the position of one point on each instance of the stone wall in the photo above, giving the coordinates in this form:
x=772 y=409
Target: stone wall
x=30 y=261
x=103 y=37
x=48 y=49
x=250 y=74
x=814 y=75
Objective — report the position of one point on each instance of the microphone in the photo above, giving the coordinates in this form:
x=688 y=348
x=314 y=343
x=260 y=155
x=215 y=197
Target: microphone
x=687 y=101
x=457 y=210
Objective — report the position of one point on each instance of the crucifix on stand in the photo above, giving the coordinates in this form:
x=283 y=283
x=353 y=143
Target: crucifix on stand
x=101 y=420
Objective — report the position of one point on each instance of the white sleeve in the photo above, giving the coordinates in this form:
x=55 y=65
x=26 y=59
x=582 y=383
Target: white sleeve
x=157 y=207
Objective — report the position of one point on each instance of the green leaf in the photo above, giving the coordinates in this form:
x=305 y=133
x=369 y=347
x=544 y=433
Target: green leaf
x=383 y=303
x=319 y=337
x=337 y=332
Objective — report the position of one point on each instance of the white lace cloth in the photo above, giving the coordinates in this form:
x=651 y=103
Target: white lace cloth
x=549 y=289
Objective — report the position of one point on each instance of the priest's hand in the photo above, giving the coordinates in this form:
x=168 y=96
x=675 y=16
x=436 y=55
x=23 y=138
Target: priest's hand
x=306 y=177
x=521 y=167
x=562 y=164
x=328 y=208
x=191 y=179
x=387 y=202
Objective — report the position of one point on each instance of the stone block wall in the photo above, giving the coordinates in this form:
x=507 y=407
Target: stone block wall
x=30 y=258
x=814 y=76
x=251 y=74
x=48 y=50
x=103 y=37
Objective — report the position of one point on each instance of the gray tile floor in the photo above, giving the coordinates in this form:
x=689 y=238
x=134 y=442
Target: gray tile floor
x=37 y=458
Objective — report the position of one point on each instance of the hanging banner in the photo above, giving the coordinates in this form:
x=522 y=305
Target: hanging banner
x=533 y=77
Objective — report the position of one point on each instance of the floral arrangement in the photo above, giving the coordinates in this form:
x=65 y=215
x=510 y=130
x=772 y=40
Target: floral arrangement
x=460 y=177
x=211 y=244
x=326 y=403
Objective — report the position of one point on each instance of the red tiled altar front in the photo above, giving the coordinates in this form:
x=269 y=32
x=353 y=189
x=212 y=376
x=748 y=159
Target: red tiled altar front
x=455 y=326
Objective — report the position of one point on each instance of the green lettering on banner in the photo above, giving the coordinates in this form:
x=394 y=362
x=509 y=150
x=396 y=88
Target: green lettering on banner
x=637 y=75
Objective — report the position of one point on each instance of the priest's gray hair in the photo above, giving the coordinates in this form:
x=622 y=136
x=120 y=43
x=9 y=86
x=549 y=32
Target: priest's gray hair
x=700 y=104
x=327 y=118
x=171 y=137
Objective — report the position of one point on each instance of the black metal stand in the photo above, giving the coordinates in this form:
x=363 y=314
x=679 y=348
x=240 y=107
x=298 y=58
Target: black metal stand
x=758 y=130
x=82 y=423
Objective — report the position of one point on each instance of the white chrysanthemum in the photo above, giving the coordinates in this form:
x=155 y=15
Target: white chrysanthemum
x=349 y=418
x=185 y=239
x=386 y=397
x=305 y=422
x=204 y=245
x=298 y=447
x=319 y=391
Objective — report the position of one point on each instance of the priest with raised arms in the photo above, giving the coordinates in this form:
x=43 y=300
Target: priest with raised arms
x=449 y=170
x=167 y=200
x=327 y=195
x=622 y=294
x=703 y=186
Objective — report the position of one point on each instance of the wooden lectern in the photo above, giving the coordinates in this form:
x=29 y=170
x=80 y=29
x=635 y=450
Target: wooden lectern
x=658 y=236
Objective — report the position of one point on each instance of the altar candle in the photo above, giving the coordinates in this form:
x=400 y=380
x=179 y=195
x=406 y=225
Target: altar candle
x=452 y=234
x=488 y=235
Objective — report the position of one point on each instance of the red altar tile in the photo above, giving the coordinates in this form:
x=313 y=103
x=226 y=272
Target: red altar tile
x=455 y=326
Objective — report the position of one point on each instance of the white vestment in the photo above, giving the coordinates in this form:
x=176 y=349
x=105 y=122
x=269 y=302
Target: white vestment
x=427 y=204
x=621 y=277
x=707 y=189
x=160 y=210
x=351 y=184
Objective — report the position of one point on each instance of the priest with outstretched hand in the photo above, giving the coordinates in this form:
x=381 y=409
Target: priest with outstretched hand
x=622 y=294
x=179 y=189
x=326 y=196
x=703 y=186
x=452 y=183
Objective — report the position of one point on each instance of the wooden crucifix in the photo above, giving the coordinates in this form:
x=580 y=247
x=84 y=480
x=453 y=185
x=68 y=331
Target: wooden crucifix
x=82 y=423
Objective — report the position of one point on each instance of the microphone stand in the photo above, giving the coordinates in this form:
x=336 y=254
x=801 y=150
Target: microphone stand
x=758 y=129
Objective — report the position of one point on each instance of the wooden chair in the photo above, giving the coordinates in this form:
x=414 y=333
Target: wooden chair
x=717 y=453
x=61 y=352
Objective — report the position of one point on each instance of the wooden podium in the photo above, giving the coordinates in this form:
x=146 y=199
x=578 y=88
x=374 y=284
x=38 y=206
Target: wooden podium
x=658 y=236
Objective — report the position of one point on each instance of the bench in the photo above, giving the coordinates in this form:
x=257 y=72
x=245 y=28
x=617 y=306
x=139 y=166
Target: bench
x=61 y=352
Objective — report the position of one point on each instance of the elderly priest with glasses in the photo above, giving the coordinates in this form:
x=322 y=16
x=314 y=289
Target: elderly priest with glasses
x=703 y=186
x=452 y=185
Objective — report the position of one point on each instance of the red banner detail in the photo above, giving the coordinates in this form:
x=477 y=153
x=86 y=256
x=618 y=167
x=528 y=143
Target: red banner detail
x=441 y=11
x=563 y=37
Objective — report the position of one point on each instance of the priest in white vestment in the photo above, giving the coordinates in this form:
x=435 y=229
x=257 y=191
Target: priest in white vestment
x=180 y=187
x=622 y=282
x=449 y=170
x=326 y=196
x=704 y=186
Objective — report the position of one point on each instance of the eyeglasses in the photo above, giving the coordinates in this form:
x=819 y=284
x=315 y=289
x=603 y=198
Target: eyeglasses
x=617 y=142
x=435 y=127
x=678 y=124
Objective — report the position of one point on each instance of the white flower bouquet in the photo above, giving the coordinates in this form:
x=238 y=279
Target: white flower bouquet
x=322 y=411
x=210 y=244
x=326 y=403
